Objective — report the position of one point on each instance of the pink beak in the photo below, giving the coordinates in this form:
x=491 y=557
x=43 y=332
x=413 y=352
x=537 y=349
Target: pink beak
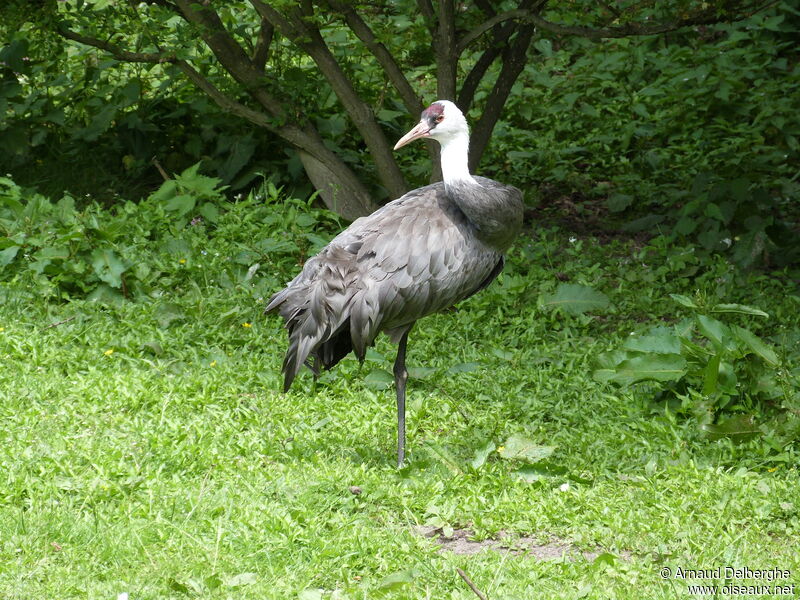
x=422 y=129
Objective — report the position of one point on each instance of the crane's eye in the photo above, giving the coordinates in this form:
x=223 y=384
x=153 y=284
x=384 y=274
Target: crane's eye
x=440 y=118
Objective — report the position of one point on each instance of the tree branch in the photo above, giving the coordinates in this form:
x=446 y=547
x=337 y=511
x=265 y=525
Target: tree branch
x=340 y=188
x=343 y=192
x=306 y=8
x=201 y=82
x=502 y=31
x=261 y=52
x=225 y=102
x=426 y=8
x=446 y=54
x=382 y=55
x=707 y=17
x=292 y=25
x=474 y=34
x=230 y=54
x=514 y=59
x=471 y=585
x=466 y=95
x=486 y=7
x=117 y=52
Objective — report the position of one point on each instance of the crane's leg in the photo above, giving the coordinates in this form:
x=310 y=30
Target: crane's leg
x=400 y=377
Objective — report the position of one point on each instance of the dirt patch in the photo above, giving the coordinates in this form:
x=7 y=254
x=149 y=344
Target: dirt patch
x=461 y=542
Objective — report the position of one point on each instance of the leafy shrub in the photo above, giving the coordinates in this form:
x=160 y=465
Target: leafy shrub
x=695 y=135
x=156 y=247
x=110 y=121
x=707 y=365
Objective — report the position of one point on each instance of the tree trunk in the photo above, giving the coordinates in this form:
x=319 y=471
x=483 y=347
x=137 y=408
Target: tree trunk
x=341 y=190
x=296 y=28
x=339 y=187
x=514 y=59
x=446 y=51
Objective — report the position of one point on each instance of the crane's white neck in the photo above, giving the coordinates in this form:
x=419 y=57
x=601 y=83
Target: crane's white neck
x=455 y=159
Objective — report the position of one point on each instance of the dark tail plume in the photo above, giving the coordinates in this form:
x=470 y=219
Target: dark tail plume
x=319 y=331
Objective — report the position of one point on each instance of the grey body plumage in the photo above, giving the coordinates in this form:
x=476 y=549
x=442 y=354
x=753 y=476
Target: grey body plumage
x=415 y=256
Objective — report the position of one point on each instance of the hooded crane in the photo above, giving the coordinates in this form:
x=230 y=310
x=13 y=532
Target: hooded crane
x=415 y=256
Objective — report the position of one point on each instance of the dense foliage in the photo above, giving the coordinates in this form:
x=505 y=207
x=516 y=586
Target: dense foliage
x=139 y=250
x=696 y=134
x=692 y=133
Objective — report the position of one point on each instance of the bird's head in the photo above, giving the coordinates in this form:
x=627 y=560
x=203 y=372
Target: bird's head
x=441 y=121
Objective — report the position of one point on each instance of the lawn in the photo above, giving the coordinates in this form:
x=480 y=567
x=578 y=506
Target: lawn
x=147 y=449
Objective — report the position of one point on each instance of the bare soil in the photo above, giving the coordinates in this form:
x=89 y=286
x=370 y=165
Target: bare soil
x=547 y=548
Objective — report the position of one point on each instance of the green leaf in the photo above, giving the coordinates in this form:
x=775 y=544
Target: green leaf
x=165 y=192
x=108 y=267
x=53 y=253
x=153 y=347
x=241 y=580
x=740 y=427
x=167 y=313
x=684 y=328
x=685 y=226
x=15 y=205
x=209 y=212
x=519 y=447
x=445 y=456
x=181 y=204
x=481 y=454
x=389 y=115
x=177 y=247
x=241 y=151
x=619 y=202
x=710 y=376
x=684 y=301
x=647 y=222
x=212 y=582
x=660 y=343
x=177 y=586
x=131 y=91
x=317 y=242
x=756 y=344
x=310 y=594
x=15 y=53
x=502 y=354
x=190 y=173
x=738 y=308
x=463 y=368
x=379 y=379
x=608 y=361
x=544 y=470
x=576 y=299
x=420 y=372
x=7 y=255
x=716 y=331
x=104 y=294
x=397 y=580
x=375 y=356
x=533 y=473
x=650 y=367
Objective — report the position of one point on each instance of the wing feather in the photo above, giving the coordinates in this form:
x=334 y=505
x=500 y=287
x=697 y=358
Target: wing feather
x=413 y=257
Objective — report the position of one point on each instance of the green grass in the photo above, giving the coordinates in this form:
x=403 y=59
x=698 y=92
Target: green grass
x=156 y=457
